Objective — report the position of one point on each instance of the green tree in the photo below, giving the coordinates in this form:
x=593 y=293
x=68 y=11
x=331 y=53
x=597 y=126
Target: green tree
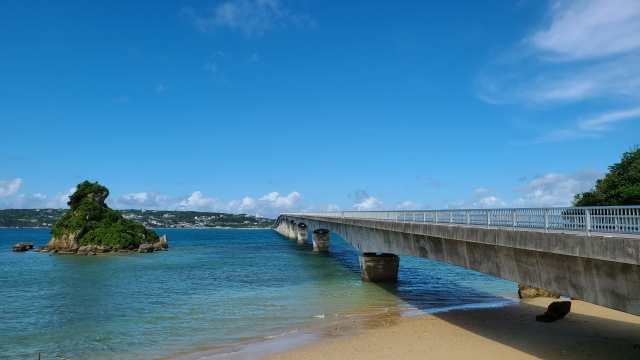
x=620 y=186
x=83 y=190
x=96 y=224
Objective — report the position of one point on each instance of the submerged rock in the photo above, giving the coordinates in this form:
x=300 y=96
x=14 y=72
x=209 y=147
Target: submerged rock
x=556 y=310
x=530 y=292
x=22 y=246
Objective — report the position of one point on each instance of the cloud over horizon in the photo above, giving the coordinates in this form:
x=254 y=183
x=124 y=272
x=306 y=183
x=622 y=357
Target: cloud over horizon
x=38 y=201
x=10 y=187
x=551 y=190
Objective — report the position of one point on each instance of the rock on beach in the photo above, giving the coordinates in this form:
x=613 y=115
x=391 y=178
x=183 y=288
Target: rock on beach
x=556 y=311
x=530 y=292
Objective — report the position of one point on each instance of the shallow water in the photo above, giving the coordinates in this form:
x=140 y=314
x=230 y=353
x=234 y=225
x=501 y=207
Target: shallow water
x=213 y=288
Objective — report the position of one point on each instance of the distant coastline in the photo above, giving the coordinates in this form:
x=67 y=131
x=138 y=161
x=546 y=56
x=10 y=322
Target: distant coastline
x=155 y=219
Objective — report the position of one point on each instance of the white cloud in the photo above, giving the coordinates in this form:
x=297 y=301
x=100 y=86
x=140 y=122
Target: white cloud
x=479 y=192
x=615 y=77
x=603 y=122
x=10 y=187
x=549 y=190
x=143 y=200
x=592 y=28
x=408 y=205
x=589 y=49
x=555 y=189
x=249 y=16
x=268 y=205
x=487 y=202
x=370 y=204
x=321 y=208
x=162 y=88
x=39 y=201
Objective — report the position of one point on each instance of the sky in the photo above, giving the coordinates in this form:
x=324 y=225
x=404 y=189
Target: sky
x=269 y=106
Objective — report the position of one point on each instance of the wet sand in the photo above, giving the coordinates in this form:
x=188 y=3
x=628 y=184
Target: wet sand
x=587 y=332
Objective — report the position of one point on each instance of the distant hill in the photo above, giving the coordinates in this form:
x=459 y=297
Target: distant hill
x=46 y=218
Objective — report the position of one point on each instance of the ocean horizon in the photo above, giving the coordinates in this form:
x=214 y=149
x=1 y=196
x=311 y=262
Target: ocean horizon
x=214 y=290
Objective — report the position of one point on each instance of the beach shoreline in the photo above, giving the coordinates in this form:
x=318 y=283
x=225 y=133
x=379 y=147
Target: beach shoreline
x=509 y=332
x=506 y=332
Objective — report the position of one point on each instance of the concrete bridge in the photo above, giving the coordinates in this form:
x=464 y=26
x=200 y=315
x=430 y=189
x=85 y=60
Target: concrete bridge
x=591 y=254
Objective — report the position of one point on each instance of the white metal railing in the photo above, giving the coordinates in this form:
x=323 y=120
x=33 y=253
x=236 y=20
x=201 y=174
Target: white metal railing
x=610 y=219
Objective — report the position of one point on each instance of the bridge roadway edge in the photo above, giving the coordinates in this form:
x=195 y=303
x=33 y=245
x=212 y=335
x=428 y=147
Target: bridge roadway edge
x=597 y=269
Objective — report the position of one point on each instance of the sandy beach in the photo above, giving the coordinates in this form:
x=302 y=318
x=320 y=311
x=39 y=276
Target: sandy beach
x=588 y=332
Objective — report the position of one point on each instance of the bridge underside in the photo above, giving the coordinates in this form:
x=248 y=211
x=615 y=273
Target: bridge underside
x=595 y=269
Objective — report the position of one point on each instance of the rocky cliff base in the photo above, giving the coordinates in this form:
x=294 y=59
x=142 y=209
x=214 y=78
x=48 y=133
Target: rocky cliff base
x=71 y=247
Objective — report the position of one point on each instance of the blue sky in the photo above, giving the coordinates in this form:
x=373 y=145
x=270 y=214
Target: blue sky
x=272 y=105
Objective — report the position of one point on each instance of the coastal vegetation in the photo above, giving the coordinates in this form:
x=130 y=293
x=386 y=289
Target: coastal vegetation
x=91 y=222
x=158 y=219
x=620 y=186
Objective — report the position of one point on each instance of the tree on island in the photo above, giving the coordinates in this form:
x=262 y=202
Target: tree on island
x=620 y=186
x=90 y=221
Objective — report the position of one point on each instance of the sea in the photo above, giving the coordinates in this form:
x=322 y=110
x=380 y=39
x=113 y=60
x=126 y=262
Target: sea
x=215 y=292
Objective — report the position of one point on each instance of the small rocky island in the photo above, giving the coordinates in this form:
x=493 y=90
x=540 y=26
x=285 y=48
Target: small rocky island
x=91 y=227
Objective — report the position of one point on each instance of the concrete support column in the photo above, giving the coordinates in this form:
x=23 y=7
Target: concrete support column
x=303 y=234
x=379 y=268
x=293 y=231
x=320 y=240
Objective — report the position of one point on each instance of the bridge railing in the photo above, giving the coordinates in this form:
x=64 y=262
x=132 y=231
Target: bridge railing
x=610 y=219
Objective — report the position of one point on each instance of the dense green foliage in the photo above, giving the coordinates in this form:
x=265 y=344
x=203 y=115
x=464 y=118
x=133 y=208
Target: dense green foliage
x=97 y=224
x=621 y=186
x=85 y=189
x=30 y=218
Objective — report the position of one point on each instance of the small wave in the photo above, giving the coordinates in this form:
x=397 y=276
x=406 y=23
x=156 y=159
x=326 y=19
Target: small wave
x=319 y=316
x=279 y=335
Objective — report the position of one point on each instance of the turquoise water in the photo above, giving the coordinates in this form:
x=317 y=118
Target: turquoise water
x=213 y=288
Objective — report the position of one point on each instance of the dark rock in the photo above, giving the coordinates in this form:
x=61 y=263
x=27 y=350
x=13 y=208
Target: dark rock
x=530 y=292
x=556 y=310
x=43 y=249
x=22 y=246
x=117 y=248
x=145 y=248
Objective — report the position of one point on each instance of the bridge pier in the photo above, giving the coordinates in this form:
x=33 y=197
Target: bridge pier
x=280 y=228
x=303 y=233
x=320 y=240
x=379 y=268
x=292 y=233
